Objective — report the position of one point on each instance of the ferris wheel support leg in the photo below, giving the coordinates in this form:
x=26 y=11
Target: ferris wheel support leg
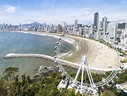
x=82 y=79
x=77 y=74
x=88 y=72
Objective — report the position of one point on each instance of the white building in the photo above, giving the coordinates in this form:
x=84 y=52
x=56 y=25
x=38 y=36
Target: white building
x=75 y=28
x=123 y=40
x=104 y=24
x=111 y=34
x=125 y=34
x=91 y=31
x=100 y=31
x=51 y=29
x=123 y=37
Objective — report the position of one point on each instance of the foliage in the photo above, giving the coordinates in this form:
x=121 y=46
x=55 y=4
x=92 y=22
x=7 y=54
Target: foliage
x=125 y=60
x=108 y=73
x=106 y=43
x=121 y=79
x=120 y=93
x=105 y=94
x=12 y=84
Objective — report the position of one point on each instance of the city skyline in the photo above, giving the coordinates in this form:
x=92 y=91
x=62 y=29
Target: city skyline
x=57 y=11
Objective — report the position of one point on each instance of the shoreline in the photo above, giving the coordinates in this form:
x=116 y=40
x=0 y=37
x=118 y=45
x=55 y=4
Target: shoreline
x=44 y=34
x=68 y=40
x=99 y=56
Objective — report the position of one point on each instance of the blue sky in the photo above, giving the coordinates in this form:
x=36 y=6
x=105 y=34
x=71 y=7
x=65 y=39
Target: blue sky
x=58 y=11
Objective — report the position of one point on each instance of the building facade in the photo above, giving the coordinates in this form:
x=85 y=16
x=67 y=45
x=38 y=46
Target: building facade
x=96 y=20
x=111 y=34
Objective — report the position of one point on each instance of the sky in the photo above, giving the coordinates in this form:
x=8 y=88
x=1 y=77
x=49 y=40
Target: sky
x=59 y=11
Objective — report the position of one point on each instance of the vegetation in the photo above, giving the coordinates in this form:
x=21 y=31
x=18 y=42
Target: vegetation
x=106 y=94
x=125 y=60
x=12 y=84
x=120 y=51
x=109 y=45
x=106 y=43
x=122 y=79
x=112 y=91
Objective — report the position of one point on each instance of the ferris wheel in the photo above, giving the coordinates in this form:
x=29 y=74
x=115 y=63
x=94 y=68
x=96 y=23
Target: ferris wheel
x=78 y=81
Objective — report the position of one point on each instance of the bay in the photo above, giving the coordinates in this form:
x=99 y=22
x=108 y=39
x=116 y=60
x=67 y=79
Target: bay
x=26 y=43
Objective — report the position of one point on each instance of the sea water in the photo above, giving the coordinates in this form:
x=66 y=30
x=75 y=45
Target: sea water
x=23 y=43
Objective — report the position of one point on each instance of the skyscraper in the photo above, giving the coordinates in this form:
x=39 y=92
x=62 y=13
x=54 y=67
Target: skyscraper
x=125 y=34
x=75 y=27
x=76 y=23
x=112 y=30
x=95 y=26
x=105 y=24
x=96 y=20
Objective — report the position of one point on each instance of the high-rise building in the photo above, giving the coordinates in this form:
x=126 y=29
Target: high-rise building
x=75 y=27
x=91 y=31
x=125 y=34
x=123 y=38
x=96 y=20
x=100 y=30
x=52 y=28
x=104 y=24
x=112 y=32
x=76 y=23
x=59 y=28
x=95 y=26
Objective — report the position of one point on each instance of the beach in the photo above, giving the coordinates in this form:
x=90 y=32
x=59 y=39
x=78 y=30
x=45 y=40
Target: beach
x=99 y=56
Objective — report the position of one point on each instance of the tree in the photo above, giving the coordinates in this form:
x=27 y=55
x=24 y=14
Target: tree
x=3 y=92
x=8 y=78
x=105 y=94
x=121 y=93
x=78 y=94
x=71 y=93
x=9 y=73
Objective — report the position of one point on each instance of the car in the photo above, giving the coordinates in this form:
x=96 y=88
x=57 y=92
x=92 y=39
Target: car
x=122 y=61
x=121 y=54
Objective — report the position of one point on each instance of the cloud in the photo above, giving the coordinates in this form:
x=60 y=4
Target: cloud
x=57 y=12
x=9 y=8
x=87 y=12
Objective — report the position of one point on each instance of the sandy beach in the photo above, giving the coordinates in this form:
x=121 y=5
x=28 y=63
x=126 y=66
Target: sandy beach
x=99 y=56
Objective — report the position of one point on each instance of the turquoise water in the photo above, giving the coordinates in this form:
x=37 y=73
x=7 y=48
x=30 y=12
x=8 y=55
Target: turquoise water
x=14 y=42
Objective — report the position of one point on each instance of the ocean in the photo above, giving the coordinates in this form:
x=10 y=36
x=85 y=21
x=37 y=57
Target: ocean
x=16 y=42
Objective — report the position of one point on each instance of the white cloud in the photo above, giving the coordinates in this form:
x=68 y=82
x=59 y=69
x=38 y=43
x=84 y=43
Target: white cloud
x=87 y=12
x=55 y=16
x=9 y=8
